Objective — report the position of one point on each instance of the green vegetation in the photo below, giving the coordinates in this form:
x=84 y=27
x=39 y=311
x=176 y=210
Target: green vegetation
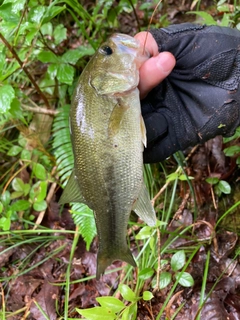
x=44 y=46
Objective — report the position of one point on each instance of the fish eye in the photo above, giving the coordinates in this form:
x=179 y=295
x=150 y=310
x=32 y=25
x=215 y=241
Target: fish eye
x=106 y=50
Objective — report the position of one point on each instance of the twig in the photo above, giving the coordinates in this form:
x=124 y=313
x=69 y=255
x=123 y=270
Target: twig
x=40 y=110
x=12 y=50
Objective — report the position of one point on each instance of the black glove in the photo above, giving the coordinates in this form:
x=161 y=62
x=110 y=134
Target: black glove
x=201 y=97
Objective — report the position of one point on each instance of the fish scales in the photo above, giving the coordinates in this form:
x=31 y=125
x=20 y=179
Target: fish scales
x=107 y=134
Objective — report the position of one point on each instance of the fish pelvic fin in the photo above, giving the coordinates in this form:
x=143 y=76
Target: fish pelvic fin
x=105 y=259
x=72 y=193
x=143 y=207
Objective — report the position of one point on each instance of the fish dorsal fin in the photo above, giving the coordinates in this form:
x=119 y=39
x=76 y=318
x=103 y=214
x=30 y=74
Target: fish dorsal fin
x=116 y=118
x=72 y=193
x=143 y=132
x=144 y=208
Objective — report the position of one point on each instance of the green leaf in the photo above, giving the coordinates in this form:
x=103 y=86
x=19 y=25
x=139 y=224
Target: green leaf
x=6 y=96
x=147 y=295
x=72 y=56
x=231 y=151
x=1 y=207
x=208 y=19
x=7 y=14
x=178 y=260
x=165 y=279
x=212 y=180
x=185 y=279
x=25 y=154
x=59 y=33
x=172 y=177
x=14 y=150
x=84 y=218
x=112 y=303
x=18 y=184
x=47 y=29
x=144 y=233
x=17 y=5
x=40 y=206
x=48 y=57
x=36 y=14
x=65 y=73
x=39 y=171
x=20 y=205
x=127 y=293
x=6 y=198
x=224 y=186
x=97 y=313
x=52 y=11
x=145 y=273
x=5 y=223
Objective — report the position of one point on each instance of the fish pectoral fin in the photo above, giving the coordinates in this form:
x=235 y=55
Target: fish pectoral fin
x=144 y=208
x=143 y=132
x=105 y=259
x=72 y=193
x=116 y=118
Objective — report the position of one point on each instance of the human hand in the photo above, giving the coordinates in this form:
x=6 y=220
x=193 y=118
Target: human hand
x=200 y=98
x=155 y=69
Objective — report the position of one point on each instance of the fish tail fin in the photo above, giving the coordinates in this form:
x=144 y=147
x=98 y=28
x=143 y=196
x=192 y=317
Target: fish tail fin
x=105 y=259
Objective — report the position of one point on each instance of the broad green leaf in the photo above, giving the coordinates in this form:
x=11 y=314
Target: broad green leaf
x=40 y=206
x=97 y=313
x=65 y=73
x=144 y=233
x=231 y=151
x=147 y=295
x=39 y=171
x=178 y=260
x=1 y=207
x=25 y=154
x=7 y=14
x=48 y=57
x=18 y=184
x=212 y=180
x=47 y=29
x=145 y=273
x=112 y=303
x=17 y=5
x=172 y=177
x=6 y=96
x=224 y=186
x=165 y=279
x=14 y=150
x=20 y=205
x=52 y=11
x=59 y=33
x=72 y=56
x=6 y=198
x=185 y=279
x=36 y=14
x=127 y=293
x=5 y=223
x=208 y=19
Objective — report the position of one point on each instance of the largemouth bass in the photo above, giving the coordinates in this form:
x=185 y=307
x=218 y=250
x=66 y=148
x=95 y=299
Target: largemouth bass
x=108 y=134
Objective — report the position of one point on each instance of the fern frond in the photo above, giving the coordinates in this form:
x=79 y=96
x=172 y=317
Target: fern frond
x=82 y=215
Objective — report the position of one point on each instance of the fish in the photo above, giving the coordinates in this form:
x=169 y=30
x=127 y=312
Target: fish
x=108 y=137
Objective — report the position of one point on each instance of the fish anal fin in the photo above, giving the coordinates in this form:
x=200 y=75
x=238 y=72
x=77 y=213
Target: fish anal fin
x=71 y=192
x=143 y=207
